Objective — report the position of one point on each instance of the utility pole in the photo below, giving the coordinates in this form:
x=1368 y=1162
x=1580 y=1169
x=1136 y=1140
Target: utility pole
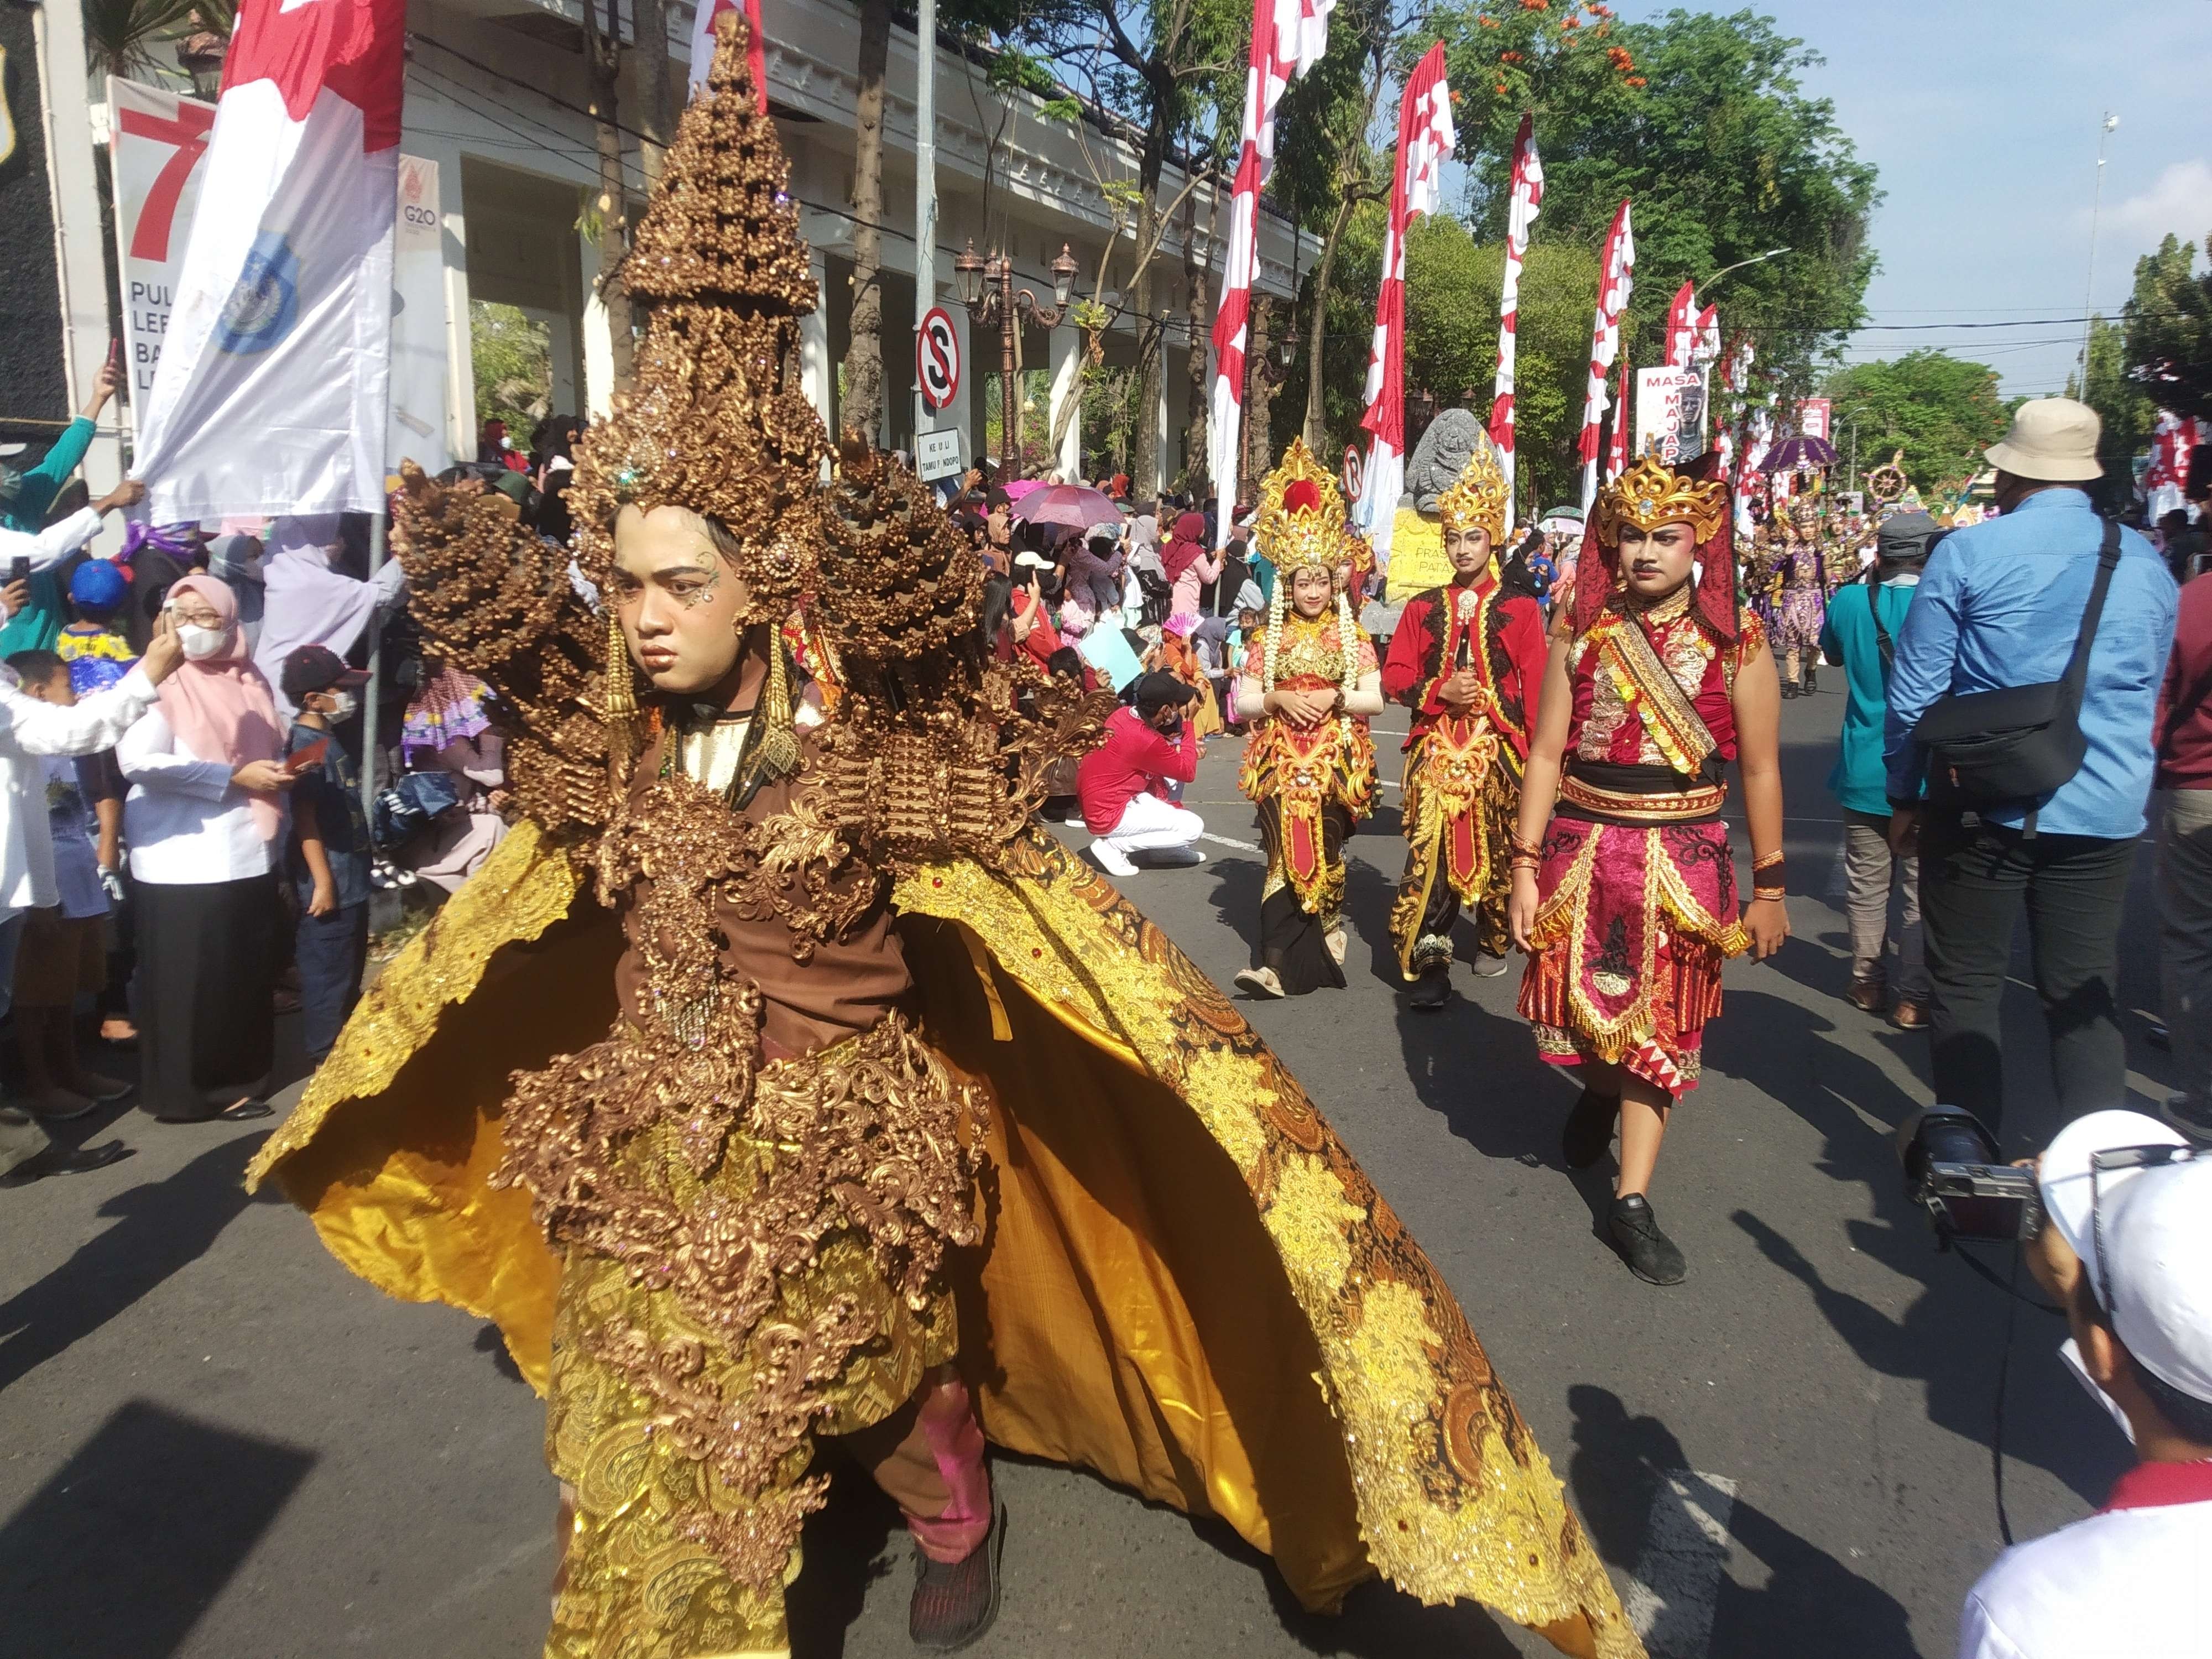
x=2096 y=205
x=924 y=189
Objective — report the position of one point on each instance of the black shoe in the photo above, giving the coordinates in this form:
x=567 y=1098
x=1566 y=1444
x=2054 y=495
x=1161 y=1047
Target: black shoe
x=1431 y=991
x=1788 y=689
x=1812 y=684
x=2191 y=1115
x=1588 y=1129
x=953 y=1605
x=82 y=1161
x=1649 y=1254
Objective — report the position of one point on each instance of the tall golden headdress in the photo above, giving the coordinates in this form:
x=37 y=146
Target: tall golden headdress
x=1301 y=522
x=1476 y=500
x=718 y=262
x=1651 y=493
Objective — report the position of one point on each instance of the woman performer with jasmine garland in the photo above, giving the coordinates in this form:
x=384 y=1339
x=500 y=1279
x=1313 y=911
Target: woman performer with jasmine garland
x=1308 y=685
x=840 y=975
x=1468 y=659
x=1624 y=890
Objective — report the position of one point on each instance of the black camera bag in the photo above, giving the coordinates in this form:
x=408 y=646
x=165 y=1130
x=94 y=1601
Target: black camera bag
x=2021 y=742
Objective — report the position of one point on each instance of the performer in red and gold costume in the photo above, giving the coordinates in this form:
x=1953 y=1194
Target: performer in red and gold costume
x=790 y=1099
x=1309 y=684
x=1623 y=891
x=1468 y=659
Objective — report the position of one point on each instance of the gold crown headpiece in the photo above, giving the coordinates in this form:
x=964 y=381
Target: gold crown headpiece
x=1301 y=522
x=1476 y=500
x=1651 y=493
x=709 y=426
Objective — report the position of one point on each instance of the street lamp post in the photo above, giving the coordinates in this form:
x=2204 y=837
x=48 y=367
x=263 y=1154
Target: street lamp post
x=987 y=288
x=1755 y=259
x=2096 y=206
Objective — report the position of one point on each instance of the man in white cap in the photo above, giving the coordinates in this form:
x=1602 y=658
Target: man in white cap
x=2126 y=1250
x=1999 y=605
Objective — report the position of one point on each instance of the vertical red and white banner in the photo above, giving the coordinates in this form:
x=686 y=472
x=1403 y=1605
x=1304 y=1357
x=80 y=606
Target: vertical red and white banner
x=156 y=159
x=1425 y=143
x=1616 y=453
x=702 y=45
x=2172 y=438
x=1288 y=37
x=1615 y=281
x=271 y=393
x=1527 y=196
x=1681 y=327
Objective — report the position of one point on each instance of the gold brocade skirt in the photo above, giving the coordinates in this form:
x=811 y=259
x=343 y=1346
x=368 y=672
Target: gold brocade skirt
x=638 y=1583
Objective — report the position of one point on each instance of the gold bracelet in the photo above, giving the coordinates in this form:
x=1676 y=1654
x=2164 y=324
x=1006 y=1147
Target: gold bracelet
x=1524 y=848
x=1768 y=862
x=1778 y=894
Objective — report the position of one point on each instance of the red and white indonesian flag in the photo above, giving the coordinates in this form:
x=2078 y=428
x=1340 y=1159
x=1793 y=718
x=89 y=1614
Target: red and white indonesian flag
x=1616 y=278
x=709 y=13
x=271 y=392
x=1681 y=327
x=1288 y=37
x=1425 y=143
x=1527 y=196
x=1616 y=453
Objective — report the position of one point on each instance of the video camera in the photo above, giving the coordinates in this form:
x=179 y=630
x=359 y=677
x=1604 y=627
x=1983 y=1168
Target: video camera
x=1952 y=1172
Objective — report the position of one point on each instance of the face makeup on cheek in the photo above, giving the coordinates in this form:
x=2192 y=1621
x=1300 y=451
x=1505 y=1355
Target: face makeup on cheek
x=679 y=601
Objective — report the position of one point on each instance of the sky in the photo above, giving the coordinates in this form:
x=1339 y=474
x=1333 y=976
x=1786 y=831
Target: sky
x=1983 y=117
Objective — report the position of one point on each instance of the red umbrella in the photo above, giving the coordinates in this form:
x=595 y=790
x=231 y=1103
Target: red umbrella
x=1076 y=506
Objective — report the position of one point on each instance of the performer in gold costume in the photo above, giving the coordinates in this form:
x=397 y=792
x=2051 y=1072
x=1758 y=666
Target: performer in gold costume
x=1468 y=658
x=902 y=1121
x=1308 y=686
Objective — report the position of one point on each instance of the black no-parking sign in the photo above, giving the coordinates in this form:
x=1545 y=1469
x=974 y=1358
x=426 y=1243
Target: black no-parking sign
x=937 y=359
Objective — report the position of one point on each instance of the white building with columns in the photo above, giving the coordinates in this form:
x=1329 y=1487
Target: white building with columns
x=495 y=99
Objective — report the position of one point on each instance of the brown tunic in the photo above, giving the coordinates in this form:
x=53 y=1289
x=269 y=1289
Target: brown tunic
x=843 y=988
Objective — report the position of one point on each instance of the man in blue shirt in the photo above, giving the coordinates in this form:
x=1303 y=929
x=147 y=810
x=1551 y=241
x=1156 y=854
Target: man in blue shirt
x=1862 y=623
x=2000 y=605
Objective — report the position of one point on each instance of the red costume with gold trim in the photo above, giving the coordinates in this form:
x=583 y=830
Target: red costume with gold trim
x=1461 y=787
x=1637 y=893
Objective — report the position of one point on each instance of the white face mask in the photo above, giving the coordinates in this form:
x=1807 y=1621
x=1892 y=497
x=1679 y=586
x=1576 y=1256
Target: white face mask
x=200 y=643
x=341 y=708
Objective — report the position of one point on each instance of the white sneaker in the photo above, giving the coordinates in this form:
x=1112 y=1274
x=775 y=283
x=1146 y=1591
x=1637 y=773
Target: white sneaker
x=1111 y=858
x=1490 y=967
x=1261 y=982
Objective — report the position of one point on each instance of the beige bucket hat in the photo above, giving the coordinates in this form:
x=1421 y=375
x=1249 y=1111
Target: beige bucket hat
x=2053 y=440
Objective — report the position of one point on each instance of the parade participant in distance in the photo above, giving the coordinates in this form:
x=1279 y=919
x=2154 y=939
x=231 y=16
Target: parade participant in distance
x=1468 y=659
x=884 y=1078
x=1308 y=686
x=1626 y=896
x=1802 y=605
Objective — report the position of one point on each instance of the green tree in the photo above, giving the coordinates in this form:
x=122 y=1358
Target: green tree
x=2126 y=412
x=512 y=354
x=2168 y=327
x=1940 y=411
x=1701 y=121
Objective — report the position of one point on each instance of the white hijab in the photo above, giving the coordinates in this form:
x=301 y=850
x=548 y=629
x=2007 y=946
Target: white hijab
x=307 y=602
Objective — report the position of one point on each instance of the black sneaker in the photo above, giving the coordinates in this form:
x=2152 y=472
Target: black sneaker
x=2191 y=1115
x=1588 y=1129
x=1431 y=991
x=954 y=1604
x=1649 y=1254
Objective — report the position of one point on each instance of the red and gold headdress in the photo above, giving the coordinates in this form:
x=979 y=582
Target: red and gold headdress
x=1647 y=496
x=1476 y=500
x=1301 y=524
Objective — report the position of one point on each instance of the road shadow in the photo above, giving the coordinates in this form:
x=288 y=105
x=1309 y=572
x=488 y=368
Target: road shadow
x=161 y=1227
x=1811 y=1605
x=131 y=1541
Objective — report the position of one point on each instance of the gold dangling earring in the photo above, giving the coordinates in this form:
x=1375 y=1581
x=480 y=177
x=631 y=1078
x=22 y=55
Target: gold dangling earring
x=779 y=740
x=619 y=704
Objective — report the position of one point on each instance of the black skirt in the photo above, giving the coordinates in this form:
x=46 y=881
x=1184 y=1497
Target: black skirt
x=207 y=1021
x=1292 y=941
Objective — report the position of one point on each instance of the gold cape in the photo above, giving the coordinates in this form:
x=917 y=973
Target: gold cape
x=1189 y=1286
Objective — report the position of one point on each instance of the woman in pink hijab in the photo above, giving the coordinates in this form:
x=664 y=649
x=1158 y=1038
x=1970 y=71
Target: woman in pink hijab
x=1188 y=567
x=205 y=822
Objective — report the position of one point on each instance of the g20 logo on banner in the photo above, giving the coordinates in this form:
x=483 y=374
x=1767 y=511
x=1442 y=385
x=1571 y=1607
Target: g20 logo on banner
x=264 y=305
x=937 y=359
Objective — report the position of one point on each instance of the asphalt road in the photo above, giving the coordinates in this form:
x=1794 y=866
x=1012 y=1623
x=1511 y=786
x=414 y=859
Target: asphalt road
x=220 y=1445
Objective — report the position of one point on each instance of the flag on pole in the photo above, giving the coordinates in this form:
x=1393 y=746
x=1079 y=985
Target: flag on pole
x=1425 y=143
x=1681 y=327
x=1616 y=457
x=1707 y=346
x=1616 y=278
x=273 y=387
x=702 y=45
x=1288 y=37
x=1527 y=196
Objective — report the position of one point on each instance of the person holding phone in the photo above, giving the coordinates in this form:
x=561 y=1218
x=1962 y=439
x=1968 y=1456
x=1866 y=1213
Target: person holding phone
x=205 y=822
x=30 y=592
